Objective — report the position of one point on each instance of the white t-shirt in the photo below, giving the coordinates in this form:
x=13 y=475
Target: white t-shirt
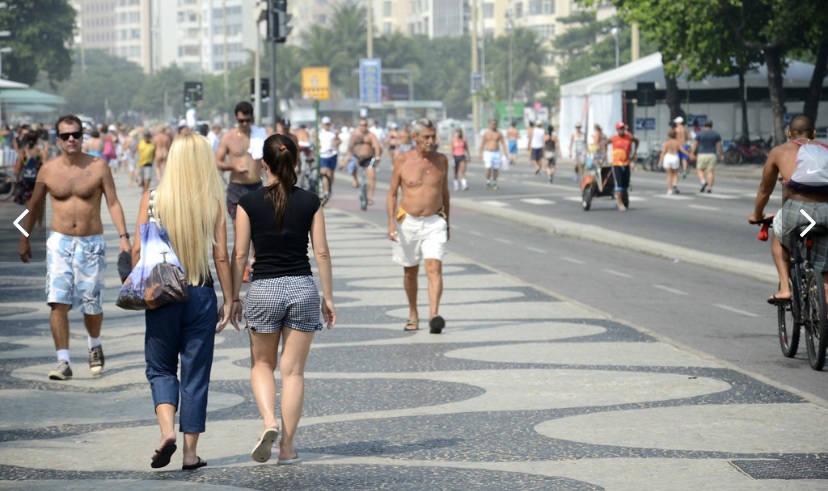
x=258 y=135
x=537 y=138
x=326 y=146
x=378 y=132
x=344 y=141
x=214 y=140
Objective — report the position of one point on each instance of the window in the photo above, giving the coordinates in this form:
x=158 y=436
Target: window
x=488 y=10
x=387 y=27
x=518 y=10
x=545 y=32
x=386 y=9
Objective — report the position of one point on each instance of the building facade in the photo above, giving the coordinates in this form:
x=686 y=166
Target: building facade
x=96 y=24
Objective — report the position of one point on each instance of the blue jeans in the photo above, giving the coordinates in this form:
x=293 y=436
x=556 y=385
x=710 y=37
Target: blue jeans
x=189 y=330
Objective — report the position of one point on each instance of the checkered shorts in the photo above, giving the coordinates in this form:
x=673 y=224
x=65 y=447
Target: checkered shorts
x=289 y=301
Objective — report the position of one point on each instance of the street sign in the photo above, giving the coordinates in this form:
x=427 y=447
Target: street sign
x=316 y=83
x=193 y=93
x=644 y=124
x=370 y=81
x=476 y=82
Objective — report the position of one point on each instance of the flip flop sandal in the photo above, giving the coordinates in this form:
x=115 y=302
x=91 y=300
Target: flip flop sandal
x=778 y=301
x=412 y=322
x=163 y=456
x=293 y=461
x=264 y=447
x=199 y=464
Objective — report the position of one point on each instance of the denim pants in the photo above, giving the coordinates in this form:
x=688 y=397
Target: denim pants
x=189 y=330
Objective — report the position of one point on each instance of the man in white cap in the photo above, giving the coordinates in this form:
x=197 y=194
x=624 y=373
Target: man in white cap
x=328 y=147
x=681 y=136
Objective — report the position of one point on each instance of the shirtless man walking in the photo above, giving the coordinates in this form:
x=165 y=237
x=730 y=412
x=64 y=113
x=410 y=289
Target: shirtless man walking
x=244 y=146
x=513 y=135
x=405 y=139
x=393 y=141
x=419 y=226
x=366 y=148
x=162 y=142
x=490 y=152
x=76 y=182
x=681 y=136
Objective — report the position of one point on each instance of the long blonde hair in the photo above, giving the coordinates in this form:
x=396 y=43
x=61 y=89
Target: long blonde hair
x=189 y=202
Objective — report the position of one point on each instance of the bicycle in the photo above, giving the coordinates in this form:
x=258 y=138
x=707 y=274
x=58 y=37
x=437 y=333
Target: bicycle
x=312 y=179
x=8 y=186
x=362 y=184
x=807 y=307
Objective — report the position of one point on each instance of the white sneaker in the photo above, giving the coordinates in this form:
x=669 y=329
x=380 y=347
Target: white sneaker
x=669 y=192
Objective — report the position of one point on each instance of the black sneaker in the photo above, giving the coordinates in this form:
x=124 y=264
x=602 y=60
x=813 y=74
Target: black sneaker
x=703 y=187
x=436 y=324
x=62 y=372
x=96 y=360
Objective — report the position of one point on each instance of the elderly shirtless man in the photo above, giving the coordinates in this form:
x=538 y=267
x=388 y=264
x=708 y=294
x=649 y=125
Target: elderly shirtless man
x=419 y=226
x=782 y=162
x=75 y=263
x=366 y=148
x=490 y=152
x=243 y=145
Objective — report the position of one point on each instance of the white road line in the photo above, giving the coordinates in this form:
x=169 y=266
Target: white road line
x=717 y=196
x=503 y=240
x=736 y=311
x=618 y=273
x=671 y=290
x=673 y=197
x=475 y=232
x=575 y=261
x=634 y=199
x=495 y=203
x=538 y=201
x=535 y=249
x=704 y=208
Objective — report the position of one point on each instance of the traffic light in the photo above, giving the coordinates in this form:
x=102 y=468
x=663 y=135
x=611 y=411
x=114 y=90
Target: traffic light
x=265 y=89
x=193 y=94
x=277 y=21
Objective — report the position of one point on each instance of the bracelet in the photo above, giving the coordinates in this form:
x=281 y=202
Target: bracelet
x=125 y=234
x=237 y=300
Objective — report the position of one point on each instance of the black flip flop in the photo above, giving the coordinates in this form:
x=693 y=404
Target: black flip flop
x=778 y=301
x=200 y=463
x=436 y=324
x=164 y=454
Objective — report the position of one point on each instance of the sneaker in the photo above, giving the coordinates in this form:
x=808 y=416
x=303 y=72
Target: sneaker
x=494 y=187
x=676 y=190
x=709 y=190
x=669 y=192
x=62 y=372
x=456 y=187
x=703 y=187
x=466 y=187
x=684 y=174
x=96 y=360
x=551 y=178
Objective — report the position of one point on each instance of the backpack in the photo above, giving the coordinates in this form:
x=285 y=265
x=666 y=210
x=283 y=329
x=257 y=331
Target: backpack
x=30 y=168
x=811 y=172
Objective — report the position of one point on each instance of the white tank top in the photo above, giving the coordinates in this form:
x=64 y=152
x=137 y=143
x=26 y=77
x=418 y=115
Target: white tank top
x=537 y=138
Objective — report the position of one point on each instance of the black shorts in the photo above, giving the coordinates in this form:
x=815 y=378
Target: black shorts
x=236 y=191
x=367 y=163
x=621 y=174
x=537 y=154
x=458 y=159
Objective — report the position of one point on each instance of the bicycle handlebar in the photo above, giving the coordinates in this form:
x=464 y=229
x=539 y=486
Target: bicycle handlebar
x=765 y=223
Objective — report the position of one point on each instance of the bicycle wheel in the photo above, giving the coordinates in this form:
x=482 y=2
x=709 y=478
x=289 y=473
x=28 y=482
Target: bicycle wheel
x=586 y=201
x=363 y=192
x=323 y=187
x=304 y=181
x=7 y=186
x=816 y=325
x=789 y=322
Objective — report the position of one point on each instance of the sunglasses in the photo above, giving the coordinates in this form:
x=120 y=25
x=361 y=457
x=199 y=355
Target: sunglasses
x=77 y=135
x=244 y=120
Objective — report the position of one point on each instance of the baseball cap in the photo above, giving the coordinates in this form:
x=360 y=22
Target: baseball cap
x=578 y=124
x=678 y=120
x=326 y=120
x=620 y=125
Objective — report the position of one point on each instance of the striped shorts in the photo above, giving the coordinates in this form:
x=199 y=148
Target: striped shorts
x=289 y=301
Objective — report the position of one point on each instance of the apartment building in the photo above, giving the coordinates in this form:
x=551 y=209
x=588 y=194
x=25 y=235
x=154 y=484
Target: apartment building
x=96 y=24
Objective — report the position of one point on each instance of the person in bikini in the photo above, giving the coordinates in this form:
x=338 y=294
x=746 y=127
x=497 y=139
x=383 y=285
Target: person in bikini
x=419 y=226
x=366 y=148
x=781 y=164
x=404 y=136
x=162 y=142
x=243 y=145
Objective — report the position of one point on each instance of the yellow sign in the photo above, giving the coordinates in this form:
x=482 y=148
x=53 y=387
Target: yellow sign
x=316 y=82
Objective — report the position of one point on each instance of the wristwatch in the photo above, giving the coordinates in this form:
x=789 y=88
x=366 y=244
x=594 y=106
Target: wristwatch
x=125 y=234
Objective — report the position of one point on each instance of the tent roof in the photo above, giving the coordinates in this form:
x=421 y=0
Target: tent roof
x=29 y=108
x=8 y=84
x=651 y=69
x=29 y=96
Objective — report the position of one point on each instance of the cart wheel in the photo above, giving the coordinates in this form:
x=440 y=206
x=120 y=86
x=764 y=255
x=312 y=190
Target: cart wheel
x=586 y=200
x=625 y=198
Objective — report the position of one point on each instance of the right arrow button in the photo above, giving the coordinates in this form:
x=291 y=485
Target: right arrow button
x=809 y=226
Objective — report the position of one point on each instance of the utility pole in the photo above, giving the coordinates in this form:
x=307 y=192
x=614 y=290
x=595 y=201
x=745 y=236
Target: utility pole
x=257 y=76
x=474 y=68
x=635 y=42
x=370 y=33
x=224 y=28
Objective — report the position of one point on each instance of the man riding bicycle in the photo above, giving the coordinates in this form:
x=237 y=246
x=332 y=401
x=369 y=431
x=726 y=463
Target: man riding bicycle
x=812 y=197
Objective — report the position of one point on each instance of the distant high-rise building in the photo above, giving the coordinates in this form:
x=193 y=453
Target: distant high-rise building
x=96 y=24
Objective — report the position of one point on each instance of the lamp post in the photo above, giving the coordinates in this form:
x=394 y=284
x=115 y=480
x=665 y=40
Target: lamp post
x=510 y=28
x=614 y=32
x=3 y=50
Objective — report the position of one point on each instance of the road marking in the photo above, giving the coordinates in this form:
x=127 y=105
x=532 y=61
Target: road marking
x=538 y=201
x=503 y=240
x=475 y=232
x=575 y=261
x=736 y=311
x=704 y=208
x=674 y=197
x=634 y=199
x=535 y=249
x=718 y=196
x=618 y=273
x=671 y=290
x=495 y=203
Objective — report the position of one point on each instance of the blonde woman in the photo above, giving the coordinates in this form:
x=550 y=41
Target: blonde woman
x=283 y=302
x=670 y=160
x=189 y=204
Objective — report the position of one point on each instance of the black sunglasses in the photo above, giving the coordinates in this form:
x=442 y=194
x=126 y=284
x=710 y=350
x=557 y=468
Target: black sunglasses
x=77 y=135
x=244 y=120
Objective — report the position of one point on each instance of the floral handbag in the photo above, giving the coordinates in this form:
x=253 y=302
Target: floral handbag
x=158 y=279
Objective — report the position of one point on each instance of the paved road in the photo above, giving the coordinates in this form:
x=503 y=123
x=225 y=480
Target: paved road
x=524 y=390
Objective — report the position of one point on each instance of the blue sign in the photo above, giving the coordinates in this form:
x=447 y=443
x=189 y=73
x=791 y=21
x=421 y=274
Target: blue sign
x=696 y=118
x=645 y=124
x=476 y=81
x=370 y=81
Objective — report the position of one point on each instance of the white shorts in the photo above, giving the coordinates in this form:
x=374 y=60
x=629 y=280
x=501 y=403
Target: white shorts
x=671 y=161
x=492 y=159
x=420 y=238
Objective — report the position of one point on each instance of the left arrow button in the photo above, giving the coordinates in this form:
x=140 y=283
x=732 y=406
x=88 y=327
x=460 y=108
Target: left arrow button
x=17 y=222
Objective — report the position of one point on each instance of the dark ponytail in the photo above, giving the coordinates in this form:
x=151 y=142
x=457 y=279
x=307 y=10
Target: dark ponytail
x=280 y=155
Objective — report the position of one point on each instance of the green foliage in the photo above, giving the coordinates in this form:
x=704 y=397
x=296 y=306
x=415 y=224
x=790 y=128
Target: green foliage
x=166 y=83
x=41 y=36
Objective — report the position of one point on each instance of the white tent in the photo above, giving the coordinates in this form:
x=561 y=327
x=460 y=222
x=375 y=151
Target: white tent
x=599 y=100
